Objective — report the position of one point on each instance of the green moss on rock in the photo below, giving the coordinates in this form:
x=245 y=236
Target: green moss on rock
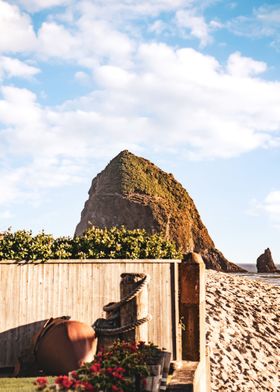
x=133 y=192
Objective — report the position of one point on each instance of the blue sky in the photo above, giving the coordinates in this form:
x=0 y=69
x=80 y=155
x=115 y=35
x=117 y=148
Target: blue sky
x=193 y=86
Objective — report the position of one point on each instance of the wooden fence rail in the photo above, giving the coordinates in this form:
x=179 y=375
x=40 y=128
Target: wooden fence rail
x=33 y=292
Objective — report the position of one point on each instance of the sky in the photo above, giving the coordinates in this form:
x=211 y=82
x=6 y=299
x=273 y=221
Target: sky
x=193 y=86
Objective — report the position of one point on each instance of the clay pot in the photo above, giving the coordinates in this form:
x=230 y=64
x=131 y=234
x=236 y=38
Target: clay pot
x=63 y=345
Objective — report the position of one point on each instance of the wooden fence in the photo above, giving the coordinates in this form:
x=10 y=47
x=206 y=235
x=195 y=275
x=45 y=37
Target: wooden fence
x=30 y=293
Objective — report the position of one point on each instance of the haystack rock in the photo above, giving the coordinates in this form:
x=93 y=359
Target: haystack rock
x=265 y=262
x=133 y=192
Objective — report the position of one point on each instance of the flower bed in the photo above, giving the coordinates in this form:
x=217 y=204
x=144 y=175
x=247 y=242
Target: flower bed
x=123 y=368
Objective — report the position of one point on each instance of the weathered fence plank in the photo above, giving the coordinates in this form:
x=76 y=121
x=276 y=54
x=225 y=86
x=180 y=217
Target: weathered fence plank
x=33 y=292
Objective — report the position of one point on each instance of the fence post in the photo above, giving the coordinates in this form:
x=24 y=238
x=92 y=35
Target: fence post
x=192 y=307
x=135 y=309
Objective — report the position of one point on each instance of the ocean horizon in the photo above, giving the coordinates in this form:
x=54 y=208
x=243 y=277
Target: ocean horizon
x=271 y=278
x=252 y=267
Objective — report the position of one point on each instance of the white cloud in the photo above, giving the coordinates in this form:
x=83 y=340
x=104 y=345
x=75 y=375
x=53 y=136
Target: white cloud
x=99 y=38
x=27 y=183
x=48 y=156
x=131 y=8
x=6 y=214
x=48 y=172
x=95 y=32
x=56 y=41
x=157 y=27
x=268 y=14
x=10 y=189
x=272 y=203
x=196 y=24
x=263 y=22
x=38 y=5
x=270 y=207
x=89 y=43
x=169 y=98
x=33 y=130
x=215 y=25
x=186 y=99
x=248 y=26
x=16 y=30
x=82 y=77
x=144 y=95
x=241 y=66
x=113 y=77
x=268 y=17
x=12 y=67
x=99 y=32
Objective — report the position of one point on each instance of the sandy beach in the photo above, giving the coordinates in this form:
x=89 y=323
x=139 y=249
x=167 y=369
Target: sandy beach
x=243 y=333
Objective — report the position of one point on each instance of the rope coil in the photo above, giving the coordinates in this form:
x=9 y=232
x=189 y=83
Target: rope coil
x=145 y=280
x=123 y=329
x=115 y=306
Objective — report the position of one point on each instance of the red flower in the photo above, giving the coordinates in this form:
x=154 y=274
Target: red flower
x=64 y=381
x=87 y=386
x=116 y=389
x=41 y=381
x=74 y=374
x=99 y=355
x=133 y=347
x=118 y=375
x=95 y=368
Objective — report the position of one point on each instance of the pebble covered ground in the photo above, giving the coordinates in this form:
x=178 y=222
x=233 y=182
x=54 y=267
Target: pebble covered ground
x=243 y=333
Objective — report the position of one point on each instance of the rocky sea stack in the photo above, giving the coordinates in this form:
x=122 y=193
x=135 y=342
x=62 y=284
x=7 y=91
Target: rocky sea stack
x=265 y=262
x=133 y=192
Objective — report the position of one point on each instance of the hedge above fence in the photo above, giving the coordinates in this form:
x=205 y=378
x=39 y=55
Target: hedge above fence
x=113 y=243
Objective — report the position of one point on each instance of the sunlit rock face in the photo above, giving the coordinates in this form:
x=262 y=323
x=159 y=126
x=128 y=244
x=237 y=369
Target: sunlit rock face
x=133 y=192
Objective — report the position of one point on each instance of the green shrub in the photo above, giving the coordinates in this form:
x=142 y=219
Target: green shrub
x=62 y=248
x=113 y=243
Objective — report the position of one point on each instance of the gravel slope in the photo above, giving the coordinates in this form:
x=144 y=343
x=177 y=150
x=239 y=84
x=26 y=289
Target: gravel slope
x=243 y=333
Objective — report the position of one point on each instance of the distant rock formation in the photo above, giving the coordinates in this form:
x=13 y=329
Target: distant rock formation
x=265 y=262
x=133 y=192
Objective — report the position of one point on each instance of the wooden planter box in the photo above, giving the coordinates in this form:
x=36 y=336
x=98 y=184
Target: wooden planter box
x=152 y=382
x=158 y=374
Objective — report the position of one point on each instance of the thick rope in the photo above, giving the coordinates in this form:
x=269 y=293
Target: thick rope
x=145 y=279
x=142 y=283
x=123 y=329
